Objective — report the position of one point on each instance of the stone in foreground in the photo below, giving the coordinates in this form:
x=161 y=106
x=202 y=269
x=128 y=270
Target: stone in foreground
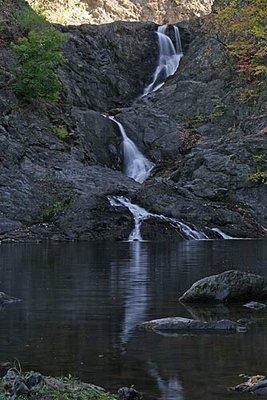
x=190 y=325
x=126 y=393
x=230 y=286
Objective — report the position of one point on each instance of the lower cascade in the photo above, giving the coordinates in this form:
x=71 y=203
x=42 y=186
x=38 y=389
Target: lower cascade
x=140 y=215
x=222 y=234
x=169 y=58
x=136 y=165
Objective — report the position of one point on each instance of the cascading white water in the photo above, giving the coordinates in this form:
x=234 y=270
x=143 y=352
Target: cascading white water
x=169 y=58
x=140 y=215
x=222 y=234
x=136 y=165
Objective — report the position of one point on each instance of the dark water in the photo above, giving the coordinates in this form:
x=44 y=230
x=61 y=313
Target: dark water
x=83 y=302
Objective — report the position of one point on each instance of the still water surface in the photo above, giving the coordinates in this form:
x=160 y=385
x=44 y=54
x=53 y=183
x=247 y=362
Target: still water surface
x=83 y=303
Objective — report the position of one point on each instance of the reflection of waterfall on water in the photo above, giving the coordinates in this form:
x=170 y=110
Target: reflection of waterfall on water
x=140 y=215
x=171 y=389
x=136 y=298
x=169 y=58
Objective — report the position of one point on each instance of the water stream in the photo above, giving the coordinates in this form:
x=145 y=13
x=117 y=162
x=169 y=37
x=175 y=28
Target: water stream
x=170 y=55
x=140 y=214
x=136 y=165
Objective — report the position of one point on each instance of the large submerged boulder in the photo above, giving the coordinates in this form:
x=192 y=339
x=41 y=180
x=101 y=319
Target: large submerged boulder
x=230 y=286
x=191 y=325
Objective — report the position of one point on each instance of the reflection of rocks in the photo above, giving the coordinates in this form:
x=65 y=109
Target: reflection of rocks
x=215 y=312
x=229 y=286
x=174 y=324
x=170 y=388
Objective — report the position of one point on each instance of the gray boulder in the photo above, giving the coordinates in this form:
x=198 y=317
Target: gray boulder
x=191 y=325
x=230 y=286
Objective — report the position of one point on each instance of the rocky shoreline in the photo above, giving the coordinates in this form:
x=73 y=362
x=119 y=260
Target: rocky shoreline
x=18 y=385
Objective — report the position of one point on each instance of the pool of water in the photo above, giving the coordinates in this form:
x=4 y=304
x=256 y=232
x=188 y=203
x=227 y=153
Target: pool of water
x=82 y=304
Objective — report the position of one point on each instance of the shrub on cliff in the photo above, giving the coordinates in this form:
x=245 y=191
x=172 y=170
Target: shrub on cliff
x=241 y=25
x=38 y=55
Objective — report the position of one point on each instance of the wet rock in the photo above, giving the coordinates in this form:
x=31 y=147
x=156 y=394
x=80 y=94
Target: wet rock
x=126 y=393
x=155 y=229
x=230 y=286
x=254 y=305
x=189 y=325
x=6 y=299
x=33 y=380
x=4 y=367
x=256 y=384
x=11 y=375
x=19 y=387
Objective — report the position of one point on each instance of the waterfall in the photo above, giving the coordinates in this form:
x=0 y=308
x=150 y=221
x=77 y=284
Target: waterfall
x=169 y=58
x=222 y=234
x=136 y=165
x=140 y=214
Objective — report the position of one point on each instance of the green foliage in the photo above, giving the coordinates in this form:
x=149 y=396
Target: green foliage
x=61 y=132
x=61 y=389
x=53 y=211
x=72 y=389
x=259 y=158
x=259 y=177
x=38 y=55
x=249 y=95
x=242 y=26
x=29 y=20
x=199 y=119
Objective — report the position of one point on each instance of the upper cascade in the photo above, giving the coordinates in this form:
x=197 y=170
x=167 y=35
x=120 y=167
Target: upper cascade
x=170 y=55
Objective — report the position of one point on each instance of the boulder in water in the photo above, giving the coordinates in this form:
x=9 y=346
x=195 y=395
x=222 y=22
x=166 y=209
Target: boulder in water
x=190 y=325
x=230 y=286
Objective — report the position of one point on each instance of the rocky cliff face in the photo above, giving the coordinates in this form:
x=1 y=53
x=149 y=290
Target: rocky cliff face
x=104 y=11
x=203 y=138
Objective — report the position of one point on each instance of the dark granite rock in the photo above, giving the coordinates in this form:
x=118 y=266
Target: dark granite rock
x=230 y=286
